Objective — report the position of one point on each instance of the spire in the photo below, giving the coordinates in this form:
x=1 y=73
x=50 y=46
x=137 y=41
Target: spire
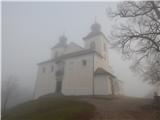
x=95 y=30
x=63 y=40
x=96 y=27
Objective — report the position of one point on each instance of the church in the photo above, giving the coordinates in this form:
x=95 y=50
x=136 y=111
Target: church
x=76 y=70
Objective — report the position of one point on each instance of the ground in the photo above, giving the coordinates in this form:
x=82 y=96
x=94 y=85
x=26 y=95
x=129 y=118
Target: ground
x=51 y=108
x=123 y=108
x=85 y=108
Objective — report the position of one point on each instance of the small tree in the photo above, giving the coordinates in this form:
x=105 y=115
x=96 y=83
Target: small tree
x=137 y=35
x=8 y=88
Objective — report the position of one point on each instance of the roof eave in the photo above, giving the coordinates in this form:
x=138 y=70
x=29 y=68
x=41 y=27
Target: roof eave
x=88 y=37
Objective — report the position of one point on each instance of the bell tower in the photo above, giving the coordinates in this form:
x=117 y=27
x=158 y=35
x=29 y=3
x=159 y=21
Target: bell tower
x=58 y=49
x=96 y=40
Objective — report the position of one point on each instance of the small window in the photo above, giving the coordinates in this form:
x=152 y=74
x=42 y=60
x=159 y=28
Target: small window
x=56 y=54
x=52 y=68
x=92 y=45
x=43 y=69
x=84 y=62
x=104 y=46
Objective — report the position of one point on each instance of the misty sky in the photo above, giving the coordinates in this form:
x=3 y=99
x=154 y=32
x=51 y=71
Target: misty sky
x=30 y=29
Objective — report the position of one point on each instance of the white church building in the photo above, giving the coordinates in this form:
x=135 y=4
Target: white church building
x=73 y=70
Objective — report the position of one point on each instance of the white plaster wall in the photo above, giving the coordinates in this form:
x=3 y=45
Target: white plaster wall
x=102 y=85
x=104 y=50
x=97 y=40
x=100 y=62
x=158 y=88
x=46 y=82
x=158 y=91
x=117 y=86
x=120 y=89
x=78 y=79
x=99 y=45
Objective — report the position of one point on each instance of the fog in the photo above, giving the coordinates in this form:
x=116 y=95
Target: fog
x=30 y=29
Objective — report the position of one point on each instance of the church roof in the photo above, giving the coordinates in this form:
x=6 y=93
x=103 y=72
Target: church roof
x=47 y=61
x=75 y=45
x=62 y=42
x=73 y=54
x=78 y=53
x=92 y=34
x=100 y=71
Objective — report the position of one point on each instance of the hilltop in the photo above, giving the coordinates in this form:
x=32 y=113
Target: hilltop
x=85 y=108
x=52 y=108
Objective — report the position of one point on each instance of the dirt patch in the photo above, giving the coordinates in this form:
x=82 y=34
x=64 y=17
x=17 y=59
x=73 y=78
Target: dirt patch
x=124 y=108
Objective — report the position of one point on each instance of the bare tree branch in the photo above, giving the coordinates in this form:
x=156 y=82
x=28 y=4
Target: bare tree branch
x=140 y=37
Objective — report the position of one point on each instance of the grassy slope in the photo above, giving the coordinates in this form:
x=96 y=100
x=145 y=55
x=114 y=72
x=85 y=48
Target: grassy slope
x=52 y=108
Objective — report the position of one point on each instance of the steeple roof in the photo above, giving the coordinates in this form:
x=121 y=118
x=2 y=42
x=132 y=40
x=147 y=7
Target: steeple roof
x=96 y=27
x=95 y=30
x=62 y=42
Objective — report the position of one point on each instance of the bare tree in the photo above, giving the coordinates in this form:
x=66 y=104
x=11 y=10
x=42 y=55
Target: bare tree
x=153 y=71
x=138 y=36
x=8 y=88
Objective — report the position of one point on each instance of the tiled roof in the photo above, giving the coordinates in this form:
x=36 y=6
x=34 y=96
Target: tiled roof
x=93 y=34
x=73 y=54
x=78 y=53
x=102 y=71
x=47 y=61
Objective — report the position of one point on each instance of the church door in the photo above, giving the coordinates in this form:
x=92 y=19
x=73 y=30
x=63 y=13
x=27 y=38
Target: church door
x=58 y=86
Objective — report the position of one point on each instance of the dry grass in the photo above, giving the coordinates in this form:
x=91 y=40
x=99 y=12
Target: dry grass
x=52 y=108
x=124 y=108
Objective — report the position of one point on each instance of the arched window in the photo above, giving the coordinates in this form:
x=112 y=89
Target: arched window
x=52 y=68
x=104 y=46
x=43 y=69
x=84 y=62
x=56 y=54
x=92 y=45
